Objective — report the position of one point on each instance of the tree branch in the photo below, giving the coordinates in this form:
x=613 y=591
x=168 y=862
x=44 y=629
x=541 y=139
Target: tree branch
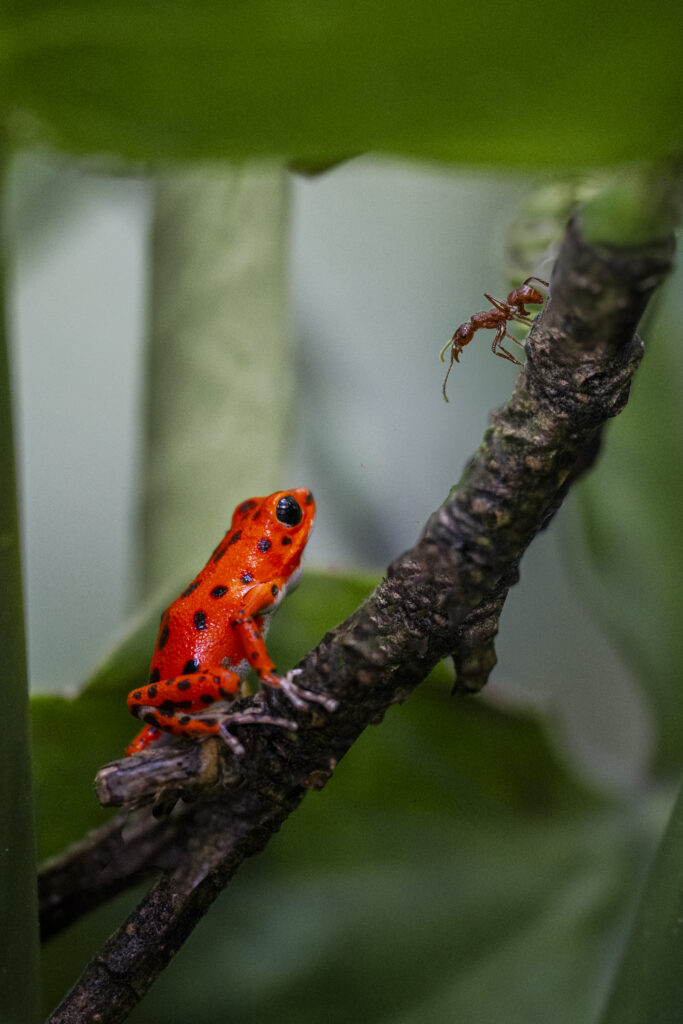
x=446 y=591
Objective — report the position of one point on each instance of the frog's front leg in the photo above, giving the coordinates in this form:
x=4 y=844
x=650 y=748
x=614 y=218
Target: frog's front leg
x=248 y=625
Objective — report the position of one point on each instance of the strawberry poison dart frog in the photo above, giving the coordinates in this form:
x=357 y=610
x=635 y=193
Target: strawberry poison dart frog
x=214 y=632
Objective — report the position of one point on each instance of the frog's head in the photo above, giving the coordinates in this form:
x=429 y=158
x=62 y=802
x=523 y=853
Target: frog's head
x=276 y=530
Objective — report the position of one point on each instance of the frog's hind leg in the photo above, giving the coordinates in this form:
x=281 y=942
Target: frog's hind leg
x=169 y=704
x=194 y=706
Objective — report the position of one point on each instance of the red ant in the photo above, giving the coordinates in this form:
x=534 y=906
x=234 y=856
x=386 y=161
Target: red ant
x=496 y=319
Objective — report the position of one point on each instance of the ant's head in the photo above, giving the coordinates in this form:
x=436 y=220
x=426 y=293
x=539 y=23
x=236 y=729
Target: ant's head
x=528 y=294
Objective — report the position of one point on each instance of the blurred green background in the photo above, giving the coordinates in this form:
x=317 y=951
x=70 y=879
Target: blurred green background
x=188 y=330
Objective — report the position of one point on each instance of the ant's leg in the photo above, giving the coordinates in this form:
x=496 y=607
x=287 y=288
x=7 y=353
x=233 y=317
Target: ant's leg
x=512 y=338
x=497 y=347
x=523 y=318
x=539 y=279
x=504 y=354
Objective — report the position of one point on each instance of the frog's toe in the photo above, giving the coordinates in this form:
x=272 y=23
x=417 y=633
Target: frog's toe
x=300 y=697
x=249 y=718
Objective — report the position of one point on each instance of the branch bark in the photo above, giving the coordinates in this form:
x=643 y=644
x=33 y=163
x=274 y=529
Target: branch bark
x=444 y=594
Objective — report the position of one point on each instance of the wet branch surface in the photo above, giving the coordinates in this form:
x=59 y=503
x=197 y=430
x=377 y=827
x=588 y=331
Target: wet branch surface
x=443 y=596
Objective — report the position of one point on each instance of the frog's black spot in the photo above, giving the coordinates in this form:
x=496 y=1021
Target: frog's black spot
x=254 y=655
x=220 y=591
x=186 y=704
x=152 y=691
x=151 y=719
x=206 y=698
x=264 y=544
x=219 y=554
x=246 y=507
x=309 y=498
x=163 y=638
x=184 y=684
x=256 y=515
x=168 y=708
x=184 y=719
x=275 y=590
x=235 y=537
x=191 y=665
x=199 y=620
x=247 y=577
x=154 y=676
x=288 y=511
x=286 y=540
x=137 y=695
x=191 y=589
x=225 y=695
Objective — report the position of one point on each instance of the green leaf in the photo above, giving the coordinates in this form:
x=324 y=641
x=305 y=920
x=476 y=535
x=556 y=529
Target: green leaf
x=485 y=83
x=18 y=900
x=649 y=983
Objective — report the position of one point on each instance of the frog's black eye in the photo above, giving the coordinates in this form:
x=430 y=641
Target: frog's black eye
x=288 y=511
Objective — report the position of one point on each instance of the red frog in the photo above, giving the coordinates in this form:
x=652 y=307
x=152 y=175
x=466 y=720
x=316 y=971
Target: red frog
x=214 y=632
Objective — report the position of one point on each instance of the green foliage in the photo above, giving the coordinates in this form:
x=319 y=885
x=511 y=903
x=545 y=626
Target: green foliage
x=453 y=868
x=488 y=83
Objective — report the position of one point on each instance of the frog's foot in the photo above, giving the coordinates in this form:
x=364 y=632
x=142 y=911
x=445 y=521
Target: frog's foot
x=300 y=697
x=248 y=718
x=143 y=739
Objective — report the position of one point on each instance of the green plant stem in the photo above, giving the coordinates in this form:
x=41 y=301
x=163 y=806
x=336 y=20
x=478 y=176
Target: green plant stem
x=18 y=899
x=219 y=357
